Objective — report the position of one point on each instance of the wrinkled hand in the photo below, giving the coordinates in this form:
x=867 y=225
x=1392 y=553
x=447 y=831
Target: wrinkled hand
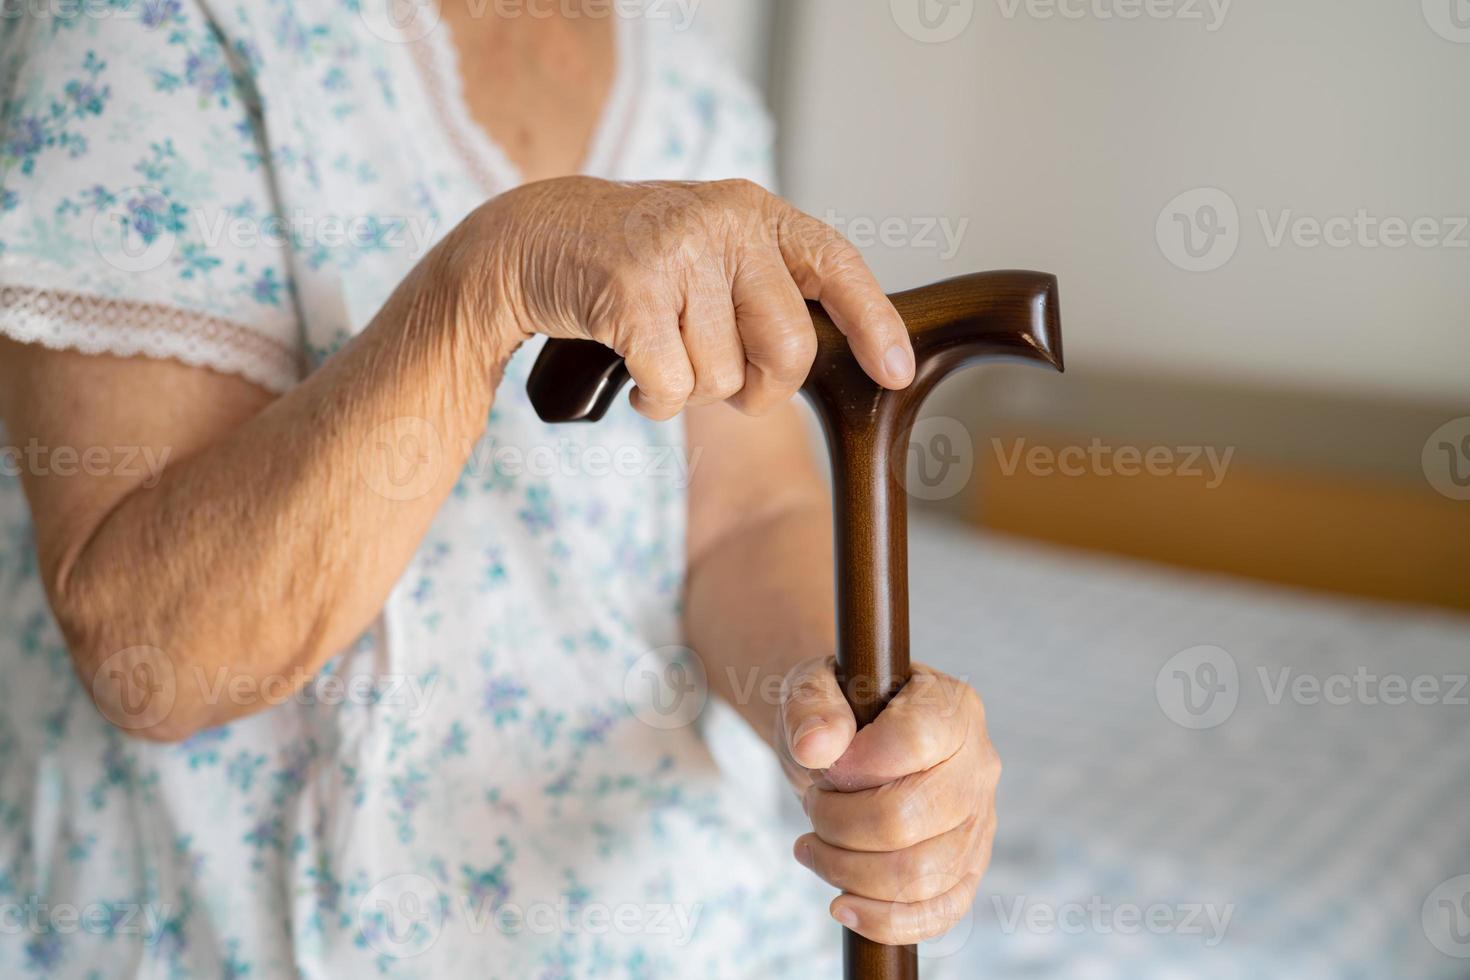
x=903 y=812
x=699 y=286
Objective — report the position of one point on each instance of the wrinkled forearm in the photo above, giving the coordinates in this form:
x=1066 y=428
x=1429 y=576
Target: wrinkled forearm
x=262 y=555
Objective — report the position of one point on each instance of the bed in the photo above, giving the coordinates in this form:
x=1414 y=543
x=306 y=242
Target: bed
x=1280 y=828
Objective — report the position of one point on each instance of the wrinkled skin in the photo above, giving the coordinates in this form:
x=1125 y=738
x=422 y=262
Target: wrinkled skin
x=903 y=812
x=700 y=287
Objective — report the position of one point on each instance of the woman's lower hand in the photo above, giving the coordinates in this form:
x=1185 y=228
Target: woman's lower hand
x=902 y=812
x=700 y=287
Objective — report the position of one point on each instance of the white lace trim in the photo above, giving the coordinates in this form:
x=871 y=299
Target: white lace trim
x=98 y=325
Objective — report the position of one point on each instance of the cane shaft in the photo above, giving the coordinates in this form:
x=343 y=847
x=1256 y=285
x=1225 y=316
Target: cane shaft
x=871 y=550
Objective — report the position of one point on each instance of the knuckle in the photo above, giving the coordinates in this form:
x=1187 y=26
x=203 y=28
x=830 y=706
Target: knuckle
x=676 y=386
x=667 y=383
x=915 y=865
x=872 y=309
x=741 y=189
x=790 y=355
x=707 y=290
x=722 y=382
x=812 y=235
x=925 y=741
x=938 y=915
x=953 y=904
x=991 y=765
x=767 y=278
x=834 y=254
x=920 y=812
x=833 y=870
x=898 y=824
x=737 y=206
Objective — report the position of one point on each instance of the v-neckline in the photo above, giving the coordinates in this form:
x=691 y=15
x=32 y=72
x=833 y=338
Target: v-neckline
x=437 y=60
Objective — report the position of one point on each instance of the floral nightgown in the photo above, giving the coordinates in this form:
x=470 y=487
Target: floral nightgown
x=489 y=782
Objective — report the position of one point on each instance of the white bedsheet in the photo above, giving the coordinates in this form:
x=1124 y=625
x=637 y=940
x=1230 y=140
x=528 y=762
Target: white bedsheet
x=1291 y=839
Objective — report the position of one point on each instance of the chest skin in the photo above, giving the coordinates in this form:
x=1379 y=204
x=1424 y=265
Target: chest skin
x=535 y=84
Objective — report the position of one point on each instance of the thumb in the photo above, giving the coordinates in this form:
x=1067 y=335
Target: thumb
x=829 y=269
x=816 y=723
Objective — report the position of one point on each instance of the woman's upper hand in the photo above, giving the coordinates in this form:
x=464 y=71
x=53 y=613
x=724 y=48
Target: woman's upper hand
x=903 y=811
x=700 y=287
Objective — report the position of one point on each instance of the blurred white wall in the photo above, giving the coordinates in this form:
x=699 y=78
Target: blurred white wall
x=1047 y=136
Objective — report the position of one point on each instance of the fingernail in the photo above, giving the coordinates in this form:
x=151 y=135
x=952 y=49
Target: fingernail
x=846 y=916
x=898 y=363
x=804 y=855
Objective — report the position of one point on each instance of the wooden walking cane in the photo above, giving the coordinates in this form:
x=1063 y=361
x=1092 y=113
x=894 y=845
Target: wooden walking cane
x=952 y=323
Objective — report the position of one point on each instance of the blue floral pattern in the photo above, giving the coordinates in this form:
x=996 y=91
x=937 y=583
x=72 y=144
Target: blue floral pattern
x=470 y=789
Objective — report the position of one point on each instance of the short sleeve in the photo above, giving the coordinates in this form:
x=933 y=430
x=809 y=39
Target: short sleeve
x=137 y=215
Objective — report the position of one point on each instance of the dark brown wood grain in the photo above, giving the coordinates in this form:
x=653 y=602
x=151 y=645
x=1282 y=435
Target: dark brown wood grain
x=952 y=323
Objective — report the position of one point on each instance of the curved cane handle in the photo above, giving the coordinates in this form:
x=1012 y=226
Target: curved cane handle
x=989 y=314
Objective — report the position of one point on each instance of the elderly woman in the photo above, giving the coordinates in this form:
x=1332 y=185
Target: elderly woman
x=309 y=666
